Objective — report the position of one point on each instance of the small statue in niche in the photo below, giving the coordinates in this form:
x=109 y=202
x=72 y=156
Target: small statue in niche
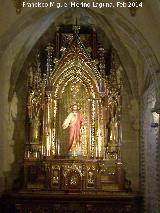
x=55 y=177
x=74 y=121
x=113 y=133
x=34 y=116
x=113 y=125
x=90 y=177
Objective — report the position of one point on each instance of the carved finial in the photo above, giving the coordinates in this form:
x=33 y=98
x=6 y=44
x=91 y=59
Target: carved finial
x=49 y=64
x=76 y=27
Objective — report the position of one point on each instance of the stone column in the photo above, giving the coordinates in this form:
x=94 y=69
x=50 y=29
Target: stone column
x=157 y=110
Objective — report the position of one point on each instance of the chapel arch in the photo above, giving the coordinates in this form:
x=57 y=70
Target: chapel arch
x=17 y=67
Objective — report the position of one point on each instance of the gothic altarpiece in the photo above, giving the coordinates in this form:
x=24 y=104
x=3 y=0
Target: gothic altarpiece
x=75 y=70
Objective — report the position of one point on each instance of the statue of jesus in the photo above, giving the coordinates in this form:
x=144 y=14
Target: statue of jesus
x=74 y=121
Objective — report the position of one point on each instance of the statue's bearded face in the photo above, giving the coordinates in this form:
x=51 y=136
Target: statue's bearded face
x=75 y=108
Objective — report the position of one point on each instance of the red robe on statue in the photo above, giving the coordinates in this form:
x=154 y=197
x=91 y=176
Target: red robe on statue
x=74 y=121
